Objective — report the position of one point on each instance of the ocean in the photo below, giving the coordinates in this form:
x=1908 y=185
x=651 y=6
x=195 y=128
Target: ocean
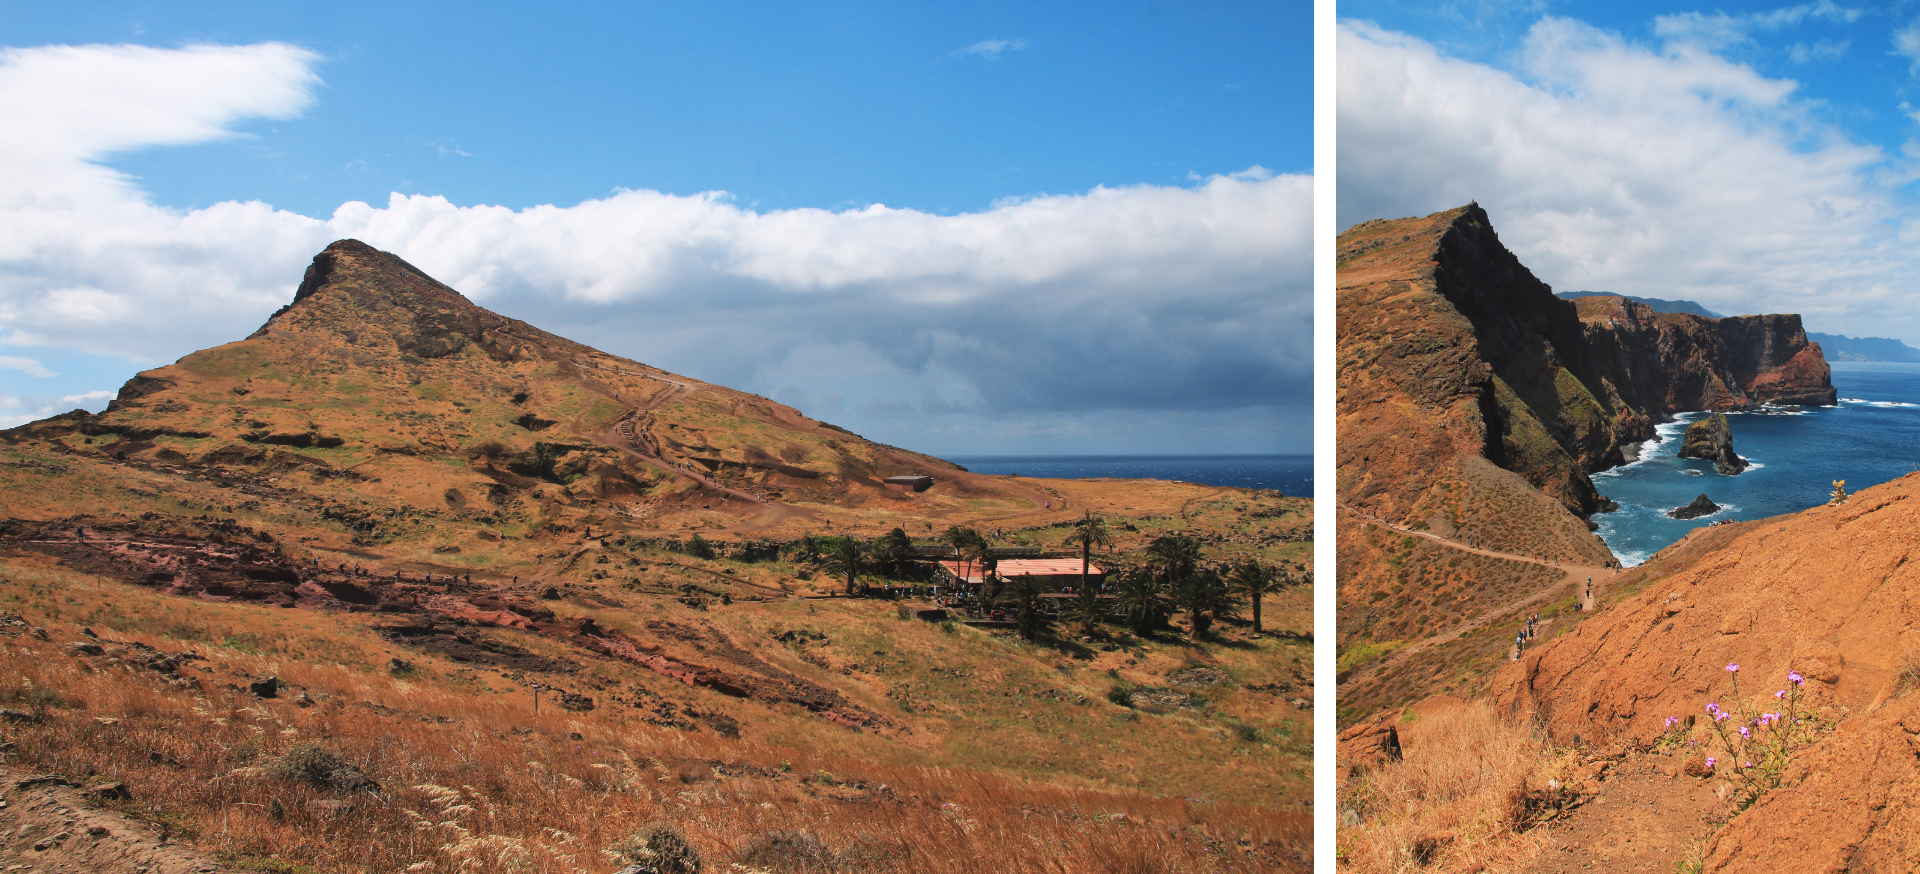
x=1870 y=437
x=1291 y=475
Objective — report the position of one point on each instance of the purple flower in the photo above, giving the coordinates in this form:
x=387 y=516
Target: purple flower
x=1671 y=720
x=1720 y=715
x=1780 y=694
x=1746 y=732
x=1711 y=760
x=1712 y=707
x=1746 y=764
x=1795 y=678
x=1733 y=668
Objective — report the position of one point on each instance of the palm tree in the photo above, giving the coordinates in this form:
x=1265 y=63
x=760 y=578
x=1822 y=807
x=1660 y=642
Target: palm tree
x=1087 y=534
x=848 y=557
x=895 y=549
x=1141 y=598
x=1254 y=581
x=1084 y=609
x=979 y=554
x=991 y=584
x=1205 y=597
x=960 y=538
x=1174 y=558
x=1027 y=590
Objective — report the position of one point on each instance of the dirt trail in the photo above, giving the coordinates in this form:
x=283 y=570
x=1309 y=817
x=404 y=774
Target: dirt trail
x=1648 y=816
x=1574 y=575
x=629 y=436
x=50 y=825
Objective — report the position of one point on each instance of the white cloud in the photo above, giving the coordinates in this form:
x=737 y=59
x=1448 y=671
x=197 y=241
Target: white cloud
x=1820 y=50
x=992 y=49
x=1140 y=297
x=1719 y=30
x=27 y=366
x=18 y=410
x=1605 y=165
x=1906 y=43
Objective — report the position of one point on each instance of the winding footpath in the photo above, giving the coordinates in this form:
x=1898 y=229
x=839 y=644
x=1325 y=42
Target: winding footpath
x=1573 y=576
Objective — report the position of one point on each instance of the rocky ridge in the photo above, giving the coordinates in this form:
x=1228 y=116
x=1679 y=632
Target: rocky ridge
x=1474 y=405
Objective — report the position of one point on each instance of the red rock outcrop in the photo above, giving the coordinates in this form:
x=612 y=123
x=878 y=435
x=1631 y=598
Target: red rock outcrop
x=1829 y=592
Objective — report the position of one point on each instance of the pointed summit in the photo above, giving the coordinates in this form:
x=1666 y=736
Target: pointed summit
x=378 y=373
x=355 y=290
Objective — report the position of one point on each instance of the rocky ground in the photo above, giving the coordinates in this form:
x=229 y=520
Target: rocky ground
x=49 y=824
x=1799 y=627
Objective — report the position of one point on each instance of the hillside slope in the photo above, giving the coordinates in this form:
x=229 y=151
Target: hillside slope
x=1473 y=406
x=544 y=596
x=388 y=383
x=1827 y=593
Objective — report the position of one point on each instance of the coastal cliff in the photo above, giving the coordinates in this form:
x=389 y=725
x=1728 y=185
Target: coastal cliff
x=1473 y=407
x=1563 y=388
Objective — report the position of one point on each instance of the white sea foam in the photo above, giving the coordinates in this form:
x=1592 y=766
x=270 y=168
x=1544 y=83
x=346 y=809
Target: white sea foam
x=1664 y=432
x=1877 y=403
x=1631 y=558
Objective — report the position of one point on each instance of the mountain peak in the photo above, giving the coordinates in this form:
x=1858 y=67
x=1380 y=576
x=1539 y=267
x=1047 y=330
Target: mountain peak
x=352 y=288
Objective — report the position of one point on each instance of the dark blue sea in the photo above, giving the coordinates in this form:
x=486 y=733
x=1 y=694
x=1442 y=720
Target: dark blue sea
x=1870 y=437
x=1292 y=475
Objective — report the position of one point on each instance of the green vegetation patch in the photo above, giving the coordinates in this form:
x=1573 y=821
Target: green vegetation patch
x=1367 y=652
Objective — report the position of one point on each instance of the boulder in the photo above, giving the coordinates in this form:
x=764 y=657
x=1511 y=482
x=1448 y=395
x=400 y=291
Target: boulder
x=1711 y=438
x=108 y=792
x=1701 y=506
x=265 y=687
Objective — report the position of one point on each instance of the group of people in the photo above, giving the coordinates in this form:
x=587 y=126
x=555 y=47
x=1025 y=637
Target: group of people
x=1527 y=632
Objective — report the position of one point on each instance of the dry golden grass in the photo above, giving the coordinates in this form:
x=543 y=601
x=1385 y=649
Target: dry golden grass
x=475 y=781
x=1453 y=803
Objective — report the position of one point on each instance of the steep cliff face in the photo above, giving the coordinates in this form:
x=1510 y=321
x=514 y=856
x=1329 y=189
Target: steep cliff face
x=1435 y=437
x=1561 y=387
x=1676 y=362
x=1474 y=404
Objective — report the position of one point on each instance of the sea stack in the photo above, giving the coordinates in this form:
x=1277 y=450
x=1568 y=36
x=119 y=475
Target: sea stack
x=1701 y=506
x=1711 y=438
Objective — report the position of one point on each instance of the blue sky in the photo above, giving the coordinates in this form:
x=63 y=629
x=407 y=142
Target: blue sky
x=1756 y=157
x=1057 y=164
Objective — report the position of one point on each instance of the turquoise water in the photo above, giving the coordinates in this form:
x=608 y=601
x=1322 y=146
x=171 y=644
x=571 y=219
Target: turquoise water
x=1870 y=437
x=1292 y=475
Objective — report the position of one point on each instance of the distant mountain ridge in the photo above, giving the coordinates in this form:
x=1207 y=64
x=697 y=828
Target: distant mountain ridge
x=1659 y=306
x=1837 y=347
x=1841 y=348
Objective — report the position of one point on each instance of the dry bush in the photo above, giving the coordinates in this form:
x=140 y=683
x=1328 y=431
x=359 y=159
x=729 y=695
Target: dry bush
x=661 y=848
x=788 y=853
x=1455 y=801
x=320 y=768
